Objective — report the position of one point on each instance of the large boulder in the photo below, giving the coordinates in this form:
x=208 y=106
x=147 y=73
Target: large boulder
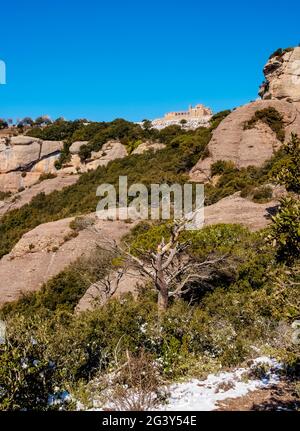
x=232 y=141
x=46 y=165
x=75 y=147
x=50 y=147
x=22 y=140
x=282 y=73
x=111 y=150
x=16 y=156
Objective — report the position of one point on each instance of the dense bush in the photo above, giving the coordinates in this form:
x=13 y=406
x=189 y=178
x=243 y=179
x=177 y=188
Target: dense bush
x=287 y=173
x=217 y=118
x=259 y=195
x=3 y=124
x=4 y=195
x=285 y=230
x=244 y=179
x=57 y=131
x=221 y=167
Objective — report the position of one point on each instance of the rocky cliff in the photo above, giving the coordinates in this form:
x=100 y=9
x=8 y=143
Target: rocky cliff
x=23 y=159
x=282 y=73
x=252 y=146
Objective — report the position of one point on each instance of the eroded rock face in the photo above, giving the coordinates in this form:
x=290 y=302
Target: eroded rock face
x=282 y=74
x=21 y=152
x=23 y=159
x=110 y=151
x=247 y=147
x=16 y=181
x=46 y=165
x=16 y=156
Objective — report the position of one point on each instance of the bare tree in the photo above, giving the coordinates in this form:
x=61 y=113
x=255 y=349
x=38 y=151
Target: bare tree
x=171 y=269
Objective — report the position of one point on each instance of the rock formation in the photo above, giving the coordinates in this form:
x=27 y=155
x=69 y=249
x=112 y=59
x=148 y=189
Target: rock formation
x=23 y=159
x=23 y=152
x=232 y=141
x=111 y=150
x=282 y=73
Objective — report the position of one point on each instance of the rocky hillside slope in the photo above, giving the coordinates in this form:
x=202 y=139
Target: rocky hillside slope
x=46 y=250
x=49 y=248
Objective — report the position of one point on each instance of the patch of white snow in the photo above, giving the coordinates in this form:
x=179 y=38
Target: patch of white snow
x=203 y=395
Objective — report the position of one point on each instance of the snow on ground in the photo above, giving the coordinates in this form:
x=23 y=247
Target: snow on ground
x=203 y=395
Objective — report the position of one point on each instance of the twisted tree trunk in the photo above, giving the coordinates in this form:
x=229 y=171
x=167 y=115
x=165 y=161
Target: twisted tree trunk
x=161 y=286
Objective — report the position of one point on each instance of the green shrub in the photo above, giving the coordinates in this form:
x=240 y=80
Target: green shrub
x=222 y=166
x=287 y=172
x=58 y=131
x=261 y=194
x=4 y=195
x=285 y=230
x=84 y=153
x=47 y=176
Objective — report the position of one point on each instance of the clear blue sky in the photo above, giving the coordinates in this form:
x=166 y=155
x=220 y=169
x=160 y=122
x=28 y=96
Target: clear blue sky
x=137 y=59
